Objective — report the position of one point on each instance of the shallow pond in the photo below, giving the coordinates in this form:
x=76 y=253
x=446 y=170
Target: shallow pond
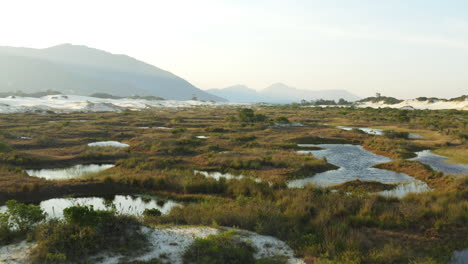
x=373 y=131
x=354 y=162
x=460 y=257
x=439 y=163
x=114 y=144
x=124 y=204
x=218 y=175
x=70 y=172
x=401 y=190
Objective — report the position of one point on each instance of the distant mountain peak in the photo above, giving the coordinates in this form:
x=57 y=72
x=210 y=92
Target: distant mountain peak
x=279 y=86
x=279 y=93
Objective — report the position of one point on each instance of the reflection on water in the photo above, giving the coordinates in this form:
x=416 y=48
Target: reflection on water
x=403 y=189
x=439 y=163
x=68 y=173
x=354 y=162
x=373 y=131
x=218 y=175
x=124 y=204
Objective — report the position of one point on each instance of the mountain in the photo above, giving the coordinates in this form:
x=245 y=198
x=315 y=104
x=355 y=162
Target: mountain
x=80 y=70
x=239 y=94
x=279 y=93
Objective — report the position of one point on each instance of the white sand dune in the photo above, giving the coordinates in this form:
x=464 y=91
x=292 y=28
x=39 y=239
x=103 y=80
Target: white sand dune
x=76 y=103
x=416 y=104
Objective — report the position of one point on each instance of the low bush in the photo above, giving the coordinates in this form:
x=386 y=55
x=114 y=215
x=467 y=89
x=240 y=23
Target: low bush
x=226 y=248
x=18 y=220
x=86 y=232
x=395 y=134
x=216 y=130
x=152 y=212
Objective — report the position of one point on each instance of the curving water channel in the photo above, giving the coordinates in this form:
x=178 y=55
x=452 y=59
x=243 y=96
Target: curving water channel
x=354 y=162
x=70 y=172
x=124 y=204
x=373 y=131
x=439 y=163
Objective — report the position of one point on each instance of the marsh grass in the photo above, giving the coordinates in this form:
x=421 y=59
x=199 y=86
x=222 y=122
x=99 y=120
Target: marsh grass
x=420 y=171
x=362 y=186
x=322 y=226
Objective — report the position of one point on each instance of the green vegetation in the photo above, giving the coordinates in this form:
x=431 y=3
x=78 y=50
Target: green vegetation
x=394 y=134
x=224 y=248
x=384 y=99
x=455 y=155
x=320 y=225
x=362 y=186
x=419 y=171
x=395 y=148
x=18 y=221
x=327 y=225
x=247 y=115
x=84 y=233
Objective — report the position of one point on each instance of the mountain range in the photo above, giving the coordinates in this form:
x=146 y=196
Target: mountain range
x=80 y=70
x=279 y=93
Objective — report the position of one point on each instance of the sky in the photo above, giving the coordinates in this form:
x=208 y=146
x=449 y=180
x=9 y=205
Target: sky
x=400 y=48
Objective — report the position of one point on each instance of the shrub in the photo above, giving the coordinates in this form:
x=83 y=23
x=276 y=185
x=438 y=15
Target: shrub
x=18 y=220
x=152 y=212
x=216 y=130
x=178 y=130
x=4 y=147
x=395 y=134
x=22 y=217
x=86 y=232
x=282 y=120
x=84 y=215
x=278 y=259
x=225 y=248
x=248 y=115
x=244 y=139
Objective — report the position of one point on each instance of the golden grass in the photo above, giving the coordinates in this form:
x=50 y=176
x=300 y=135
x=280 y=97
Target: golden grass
x=455 y=154
x=419 y=171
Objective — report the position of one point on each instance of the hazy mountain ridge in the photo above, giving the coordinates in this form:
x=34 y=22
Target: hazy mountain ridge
x=81 y=70
x=279 y=93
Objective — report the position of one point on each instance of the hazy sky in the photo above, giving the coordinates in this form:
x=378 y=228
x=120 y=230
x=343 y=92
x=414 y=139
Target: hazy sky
x=402 y=48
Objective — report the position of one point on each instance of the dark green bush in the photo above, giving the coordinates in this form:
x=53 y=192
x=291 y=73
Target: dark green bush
x=86 y=232
x=279 y=259
x=152 y=212
x=224 y=248
x=85 y=216
x=395 y=134
x=22 y=217
x=18 y=220
x=282 y=119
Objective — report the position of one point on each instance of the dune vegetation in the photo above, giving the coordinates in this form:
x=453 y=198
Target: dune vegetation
x=345 y=223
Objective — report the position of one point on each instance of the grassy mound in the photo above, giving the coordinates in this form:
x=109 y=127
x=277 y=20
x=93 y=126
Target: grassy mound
x=418 y=170
x=223 y=248
x=362 y=186
x=86 y=232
